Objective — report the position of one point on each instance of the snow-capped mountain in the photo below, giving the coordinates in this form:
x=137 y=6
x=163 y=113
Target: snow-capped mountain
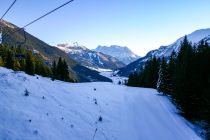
x=90 y=58
x=123 y=54
x=165 y=51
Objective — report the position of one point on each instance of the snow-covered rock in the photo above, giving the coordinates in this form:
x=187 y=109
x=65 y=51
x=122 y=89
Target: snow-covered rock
x=124 y=54
x=89 y=58
x=55 y=110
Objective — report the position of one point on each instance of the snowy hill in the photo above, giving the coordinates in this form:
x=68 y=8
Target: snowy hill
x=89 y=58
x=124 y=54
x=55 y=110
x=165 y=51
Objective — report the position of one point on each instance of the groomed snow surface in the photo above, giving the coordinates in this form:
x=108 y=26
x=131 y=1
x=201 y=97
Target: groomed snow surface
x=56 y=110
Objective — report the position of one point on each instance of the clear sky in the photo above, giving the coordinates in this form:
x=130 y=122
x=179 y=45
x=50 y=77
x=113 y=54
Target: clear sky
x=141 y=25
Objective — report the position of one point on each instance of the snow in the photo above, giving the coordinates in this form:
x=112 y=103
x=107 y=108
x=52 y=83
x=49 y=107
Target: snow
x=100 y=69
x=71 y=49
x=113 y=76
x=99 y=61
x=56 y=110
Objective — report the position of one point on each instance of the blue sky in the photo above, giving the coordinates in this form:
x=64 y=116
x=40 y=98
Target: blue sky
x=141 y=25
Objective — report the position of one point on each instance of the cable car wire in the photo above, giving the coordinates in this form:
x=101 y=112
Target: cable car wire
x=47 y=14
x=8 y=10
x=1 y=28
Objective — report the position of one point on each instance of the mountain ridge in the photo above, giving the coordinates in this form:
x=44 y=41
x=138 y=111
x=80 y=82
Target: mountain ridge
x=90 y=58
x=123 y=54
x=165 y=51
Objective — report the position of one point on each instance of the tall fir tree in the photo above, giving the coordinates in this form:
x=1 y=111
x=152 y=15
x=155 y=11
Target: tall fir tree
x=183 y=92
x=9 y=59
x=65 y=72
x=54 y=70
x=17 y=65
x=59 y=69
x=163 y=79
x=30 y=63
x=1 y=62
x=171 y=73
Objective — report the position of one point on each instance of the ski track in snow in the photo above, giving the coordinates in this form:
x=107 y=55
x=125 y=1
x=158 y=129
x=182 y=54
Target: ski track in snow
x=56 y=110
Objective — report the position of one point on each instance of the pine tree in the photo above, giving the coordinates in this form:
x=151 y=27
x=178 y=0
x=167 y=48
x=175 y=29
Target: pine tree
x=54 y=70
x=38 y=67
x=1 y=62
x=9 y=60
x=59 y=69
x=22 y=64
x=171 y=73
x=131 y=80
x=30 y=63
x=162 y=84
x=65 y=72
x=48 y=71
x=150 y=74
x=17 y=66
x=183 y=91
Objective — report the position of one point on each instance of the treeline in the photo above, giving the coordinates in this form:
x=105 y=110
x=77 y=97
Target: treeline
x=19 y=59
x=184 y=76
x=148 y=75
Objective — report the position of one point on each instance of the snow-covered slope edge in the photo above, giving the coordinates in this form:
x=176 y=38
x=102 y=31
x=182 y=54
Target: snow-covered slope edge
x=56 y=110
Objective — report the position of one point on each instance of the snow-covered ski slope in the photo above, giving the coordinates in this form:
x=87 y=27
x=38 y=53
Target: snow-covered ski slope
x=56 y=110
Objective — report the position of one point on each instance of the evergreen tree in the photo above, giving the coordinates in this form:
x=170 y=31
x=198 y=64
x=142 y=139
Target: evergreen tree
x=65 y=72
x=171 y=73
x=17 y=66
x=163 y=80
x=149 y=76
x=38 y=67
x=48 y=71
x=30 y=63
x=22 y=64
x=9 y=60
x=54 y=70
x=183 y=91
x=131 y=80
x=1 y=62
x=59 y=69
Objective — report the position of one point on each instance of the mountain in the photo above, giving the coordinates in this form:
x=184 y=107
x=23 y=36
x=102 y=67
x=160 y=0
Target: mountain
x=37 y=108
x=90 y=58
x=14 y=36
x=165 y=51
x=123 y=54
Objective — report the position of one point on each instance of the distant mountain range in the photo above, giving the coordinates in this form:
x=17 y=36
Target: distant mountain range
x=165 y=51
x=13 y=35
x=123 y=54
x=89 y=58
